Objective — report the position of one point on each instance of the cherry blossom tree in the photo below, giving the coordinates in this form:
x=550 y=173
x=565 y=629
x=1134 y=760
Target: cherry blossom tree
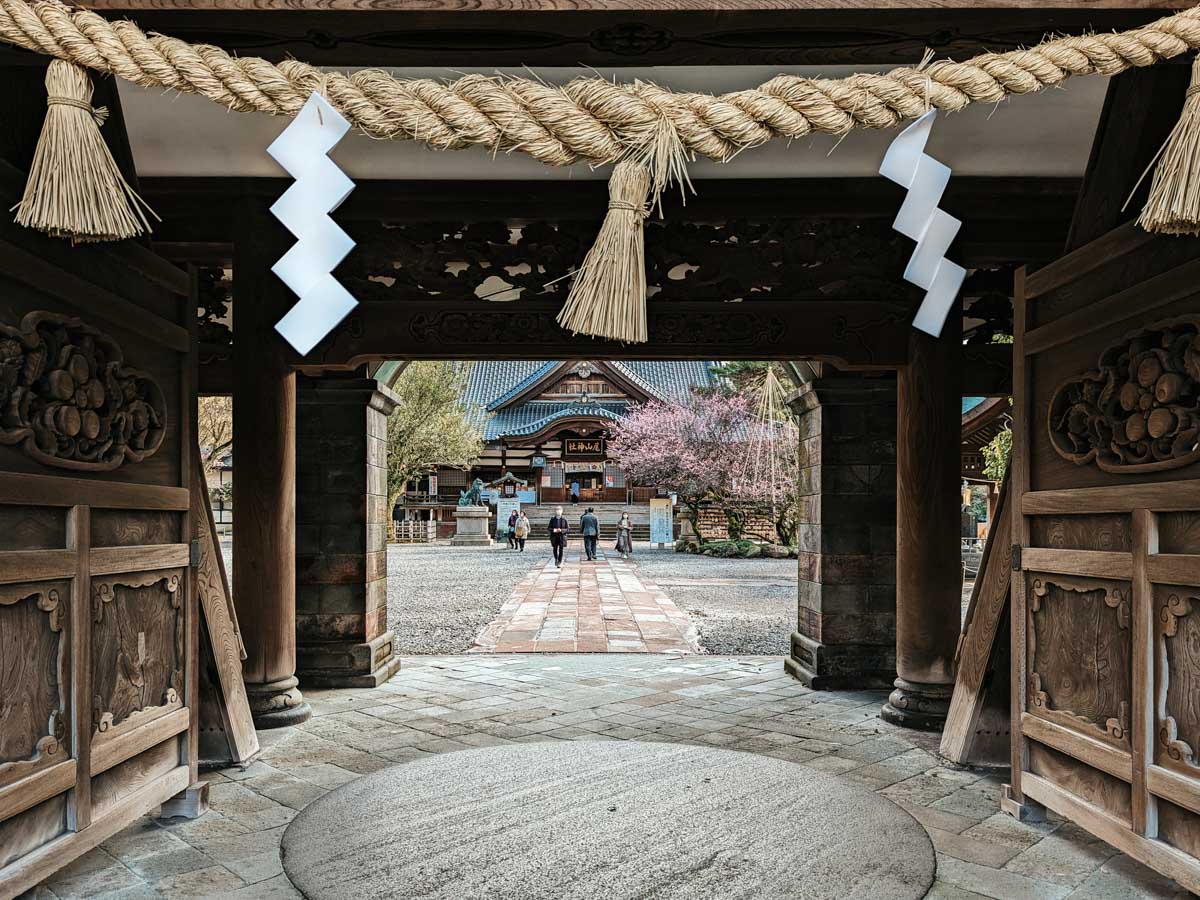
x=709 y=448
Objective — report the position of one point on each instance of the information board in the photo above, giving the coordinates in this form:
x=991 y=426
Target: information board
x=505 y=506
x=662 y=523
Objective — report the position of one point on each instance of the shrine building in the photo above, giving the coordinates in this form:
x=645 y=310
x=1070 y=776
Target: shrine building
x=545 y=427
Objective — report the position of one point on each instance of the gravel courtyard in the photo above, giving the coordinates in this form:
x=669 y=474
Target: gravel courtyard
x=440 y=597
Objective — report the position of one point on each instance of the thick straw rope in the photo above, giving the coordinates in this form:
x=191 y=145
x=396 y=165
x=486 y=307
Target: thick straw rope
x=589 y=119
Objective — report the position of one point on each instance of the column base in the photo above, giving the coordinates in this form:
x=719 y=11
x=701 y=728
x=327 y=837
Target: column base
x=364 y=664
x=277 y=704
x=1024 y=810
x=916 y=705
x=840 y=667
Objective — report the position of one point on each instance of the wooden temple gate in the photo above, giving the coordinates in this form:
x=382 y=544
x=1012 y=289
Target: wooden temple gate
x=102 y=588
x=1105 y=485
x=98 y=602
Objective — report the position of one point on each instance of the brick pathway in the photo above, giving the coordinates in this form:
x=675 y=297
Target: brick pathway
x=588 y=607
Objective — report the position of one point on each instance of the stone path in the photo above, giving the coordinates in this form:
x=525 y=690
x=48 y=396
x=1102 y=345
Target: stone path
x=600 y=606
x=443 y=704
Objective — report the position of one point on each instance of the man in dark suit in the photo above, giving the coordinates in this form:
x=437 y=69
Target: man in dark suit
x=589 y=527
x=558 y=535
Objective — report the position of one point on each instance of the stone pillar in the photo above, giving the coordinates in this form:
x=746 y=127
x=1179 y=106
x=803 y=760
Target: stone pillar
x=341 y=533
x=846 y=629
x=264 y=488
x=928 y=548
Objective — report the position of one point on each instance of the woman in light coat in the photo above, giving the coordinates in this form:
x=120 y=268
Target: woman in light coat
x=624 y=536
x=522 y=530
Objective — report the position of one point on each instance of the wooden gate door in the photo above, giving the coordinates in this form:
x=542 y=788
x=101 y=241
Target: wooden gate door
x=1106 y=498
x=97 y=611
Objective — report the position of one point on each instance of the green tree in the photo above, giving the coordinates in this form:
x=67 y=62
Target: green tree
x=996 y=453
x=431 y=425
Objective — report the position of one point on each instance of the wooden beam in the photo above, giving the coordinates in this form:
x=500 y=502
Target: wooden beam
x=852 y=333
x=1140 y=109
x=624 y=32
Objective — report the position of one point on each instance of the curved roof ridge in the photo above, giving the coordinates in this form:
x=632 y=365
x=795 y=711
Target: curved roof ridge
x=594 y=410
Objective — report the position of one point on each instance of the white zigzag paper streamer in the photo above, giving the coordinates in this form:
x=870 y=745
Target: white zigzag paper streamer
x=320 y=187
x=920 y=219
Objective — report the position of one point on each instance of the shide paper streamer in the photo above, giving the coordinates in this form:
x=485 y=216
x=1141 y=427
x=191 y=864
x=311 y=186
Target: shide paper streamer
x=302 y=149
x=907 y=164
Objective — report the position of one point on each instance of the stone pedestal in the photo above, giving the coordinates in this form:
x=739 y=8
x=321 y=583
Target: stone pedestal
x=846 y=629
x=341 y=533
x=471 y=527
x=928 y=545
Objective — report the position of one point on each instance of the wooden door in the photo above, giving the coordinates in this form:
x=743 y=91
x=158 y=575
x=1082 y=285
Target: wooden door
x=98 y=617
x=1106 y=499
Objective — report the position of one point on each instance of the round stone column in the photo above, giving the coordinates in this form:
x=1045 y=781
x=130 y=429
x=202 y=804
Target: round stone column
x=928 y=525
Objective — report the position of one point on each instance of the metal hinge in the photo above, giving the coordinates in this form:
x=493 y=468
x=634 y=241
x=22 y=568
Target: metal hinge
x=194 y=554
x=1016 y=557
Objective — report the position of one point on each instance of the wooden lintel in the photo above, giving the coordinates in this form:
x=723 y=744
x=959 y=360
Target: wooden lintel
x=852 y=333
x=1006 y=220
x=493 y=33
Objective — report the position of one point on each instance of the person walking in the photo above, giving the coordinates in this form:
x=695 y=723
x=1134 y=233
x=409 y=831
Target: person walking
x=558 y=535
x=512 y=530
x=521 y=529
x=624 y=536
x=589 y=527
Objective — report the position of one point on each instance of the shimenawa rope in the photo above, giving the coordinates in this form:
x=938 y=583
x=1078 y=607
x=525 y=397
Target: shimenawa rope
x=651 y=131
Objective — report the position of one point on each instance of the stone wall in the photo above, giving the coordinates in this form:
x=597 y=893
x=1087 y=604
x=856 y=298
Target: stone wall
x=341 y=532
x=846 y=622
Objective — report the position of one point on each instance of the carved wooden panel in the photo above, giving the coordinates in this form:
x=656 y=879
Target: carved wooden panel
x=1093 y=532
x=137 y=649
x=68 y=400
x=33 y=678
x=730 y=260
x=1177 y=693
x=1080 y=671
x=1139 y=410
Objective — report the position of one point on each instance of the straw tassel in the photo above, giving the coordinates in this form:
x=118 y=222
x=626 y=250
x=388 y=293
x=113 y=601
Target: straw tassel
x=75 y=189
x=608 y=296
x=1174 y=204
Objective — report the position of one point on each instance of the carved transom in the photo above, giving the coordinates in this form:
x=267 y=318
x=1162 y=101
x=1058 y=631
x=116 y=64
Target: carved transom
x=67 y=398
x=790 y=259
x=1139 y=411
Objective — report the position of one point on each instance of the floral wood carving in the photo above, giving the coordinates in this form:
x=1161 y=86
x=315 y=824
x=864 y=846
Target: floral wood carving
x=1170 y=613
x=1092 y=678
x=67 y=398
x=49 y=746
x=1140 y=410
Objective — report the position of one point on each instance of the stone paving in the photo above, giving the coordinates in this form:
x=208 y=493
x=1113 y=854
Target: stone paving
x=443 y=704
x=588 y=606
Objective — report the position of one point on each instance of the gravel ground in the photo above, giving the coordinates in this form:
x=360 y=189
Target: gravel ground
x=740 y=606
x=440 y=597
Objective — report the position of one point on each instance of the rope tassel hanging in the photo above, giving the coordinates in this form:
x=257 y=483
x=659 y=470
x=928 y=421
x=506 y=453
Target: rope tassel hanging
x=608 y=295
x=1174 y=204
x=75 y=189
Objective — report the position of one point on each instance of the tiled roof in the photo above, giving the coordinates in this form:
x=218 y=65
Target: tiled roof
x=550 y=412
x=969 y=403
x=492 y=382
